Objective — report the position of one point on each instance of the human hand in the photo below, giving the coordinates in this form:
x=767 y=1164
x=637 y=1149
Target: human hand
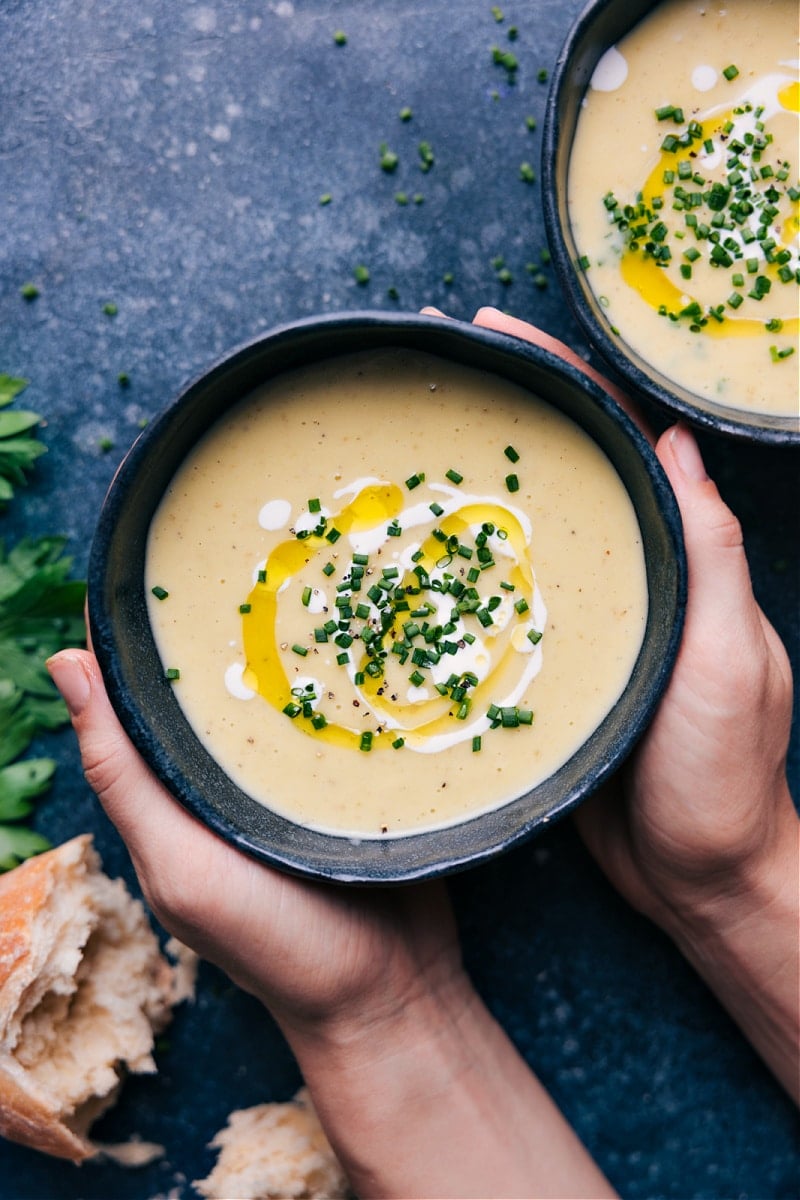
x=700 y=833
x=705 y=799
x=417 y=1087
x=316 y=955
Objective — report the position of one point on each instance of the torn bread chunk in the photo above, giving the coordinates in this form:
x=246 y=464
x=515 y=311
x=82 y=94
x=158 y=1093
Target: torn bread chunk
x=275 y=1152
x=84 y=988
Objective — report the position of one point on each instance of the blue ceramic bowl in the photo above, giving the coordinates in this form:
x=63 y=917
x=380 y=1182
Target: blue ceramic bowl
x=600 y=25
x=133 y=672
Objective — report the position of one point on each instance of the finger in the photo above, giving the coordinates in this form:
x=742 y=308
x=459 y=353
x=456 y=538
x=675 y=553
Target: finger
x=492 y=318
x=142 y=810
x=720 y=590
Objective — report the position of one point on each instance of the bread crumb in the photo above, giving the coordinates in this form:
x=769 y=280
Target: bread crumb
x=275 y=1152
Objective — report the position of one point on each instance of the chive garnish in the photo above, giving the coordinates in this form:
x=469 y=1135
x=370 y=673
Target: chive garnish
x=172 y=673
x=160 y=593
x=454 y=476
x=511 y=454
x=512 y=483
x=244 y=608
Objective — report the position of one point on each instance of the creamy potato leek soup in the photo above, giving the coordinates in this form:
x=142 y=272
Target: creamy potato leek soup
x=392 y=592
x=683 y=197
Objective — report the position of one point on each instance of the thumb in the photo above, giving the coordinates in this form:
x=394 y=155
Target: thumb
x=720 y=590
x=127 y=789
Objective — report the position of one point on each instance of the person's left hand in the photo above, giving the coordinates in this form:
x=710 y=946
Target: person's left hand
x=314 y=954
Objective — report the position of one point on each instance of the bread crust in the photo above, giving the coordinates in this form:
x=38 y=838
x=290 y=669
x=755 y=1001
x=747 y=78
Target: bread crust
x=59 y=915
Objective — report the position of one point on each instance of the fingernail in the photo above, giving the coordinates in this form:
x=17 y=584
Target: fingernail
x=71 y=680
x=687 y=454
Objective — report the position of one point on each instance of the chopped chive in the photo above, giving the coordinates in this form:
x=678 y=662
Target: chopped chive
x=244 y=608
x=366 y=741
x=172 y=673
x=454 y=476
x=398 y=743
x=414 y=481
x=306 y=596
x=160 y=593
x=314 y=506
x=511 y=454
x=534 y=636
x=512 y=483
x=476 y=744
x=319 y=720
x=730 y=72
x=301 y=650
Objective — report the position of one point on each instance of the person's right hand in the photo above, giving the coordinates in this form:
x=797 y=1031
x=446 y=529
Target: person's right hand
x=700 y=833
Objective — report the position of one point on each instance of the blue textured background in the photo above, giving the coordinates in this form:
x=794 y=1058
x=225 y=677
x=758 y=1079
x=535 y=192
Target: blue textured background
x=169 y=157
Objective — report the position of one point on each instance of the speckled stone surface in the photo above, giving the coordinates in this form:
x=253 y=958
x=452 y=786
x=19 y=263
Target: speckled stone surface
x=169 y=158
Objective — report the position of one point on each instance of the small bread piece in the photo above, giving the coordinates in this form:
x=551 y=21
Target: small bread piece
x=275 y=1152
x=83 y=989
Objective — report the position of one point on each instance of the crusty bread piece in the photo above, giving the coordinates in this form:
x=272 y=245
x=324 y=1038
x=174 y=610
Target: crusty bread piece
x=83 y=989
x=275 y=1152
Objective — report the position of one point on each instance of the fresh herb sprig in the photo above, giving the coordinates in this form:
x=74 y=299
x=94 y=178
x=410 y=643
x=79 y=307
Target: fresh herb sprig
x=18 y=450
x=40 y=613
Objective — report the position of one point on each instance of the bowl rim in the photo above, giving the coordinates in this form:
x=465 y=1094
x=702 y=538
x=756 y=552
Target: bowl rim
x=623 y=360
x=438 y=851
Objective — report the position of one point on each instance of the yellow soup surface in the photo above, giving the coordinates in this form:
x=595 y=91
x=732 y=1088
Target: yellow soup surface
x=392 y=592
x=683 y=197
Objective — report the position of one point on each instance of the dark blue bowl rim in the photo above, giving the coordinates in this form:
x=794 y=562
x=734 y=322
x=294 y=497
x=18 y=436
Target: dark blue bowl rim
x=556 y=142
x=429 y=853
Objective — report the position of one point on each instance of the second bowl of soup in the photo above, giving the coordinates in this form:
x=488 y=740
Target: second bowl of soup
x=671 y=181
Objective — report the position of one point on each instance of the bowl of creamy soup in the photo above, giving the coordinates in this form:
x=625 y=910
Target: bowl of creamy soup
x=379 y=597
x=672 y=182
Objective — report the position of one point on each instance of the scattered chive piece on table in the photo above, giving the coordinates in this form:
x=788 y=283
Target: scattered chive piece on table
x=426 y=156
x=527 y=173
x=124 y=379
x=110 y=309
x=361 y=274
x=530 y=124
x=29 y=291
x=388 y=159
x=340 y=37
x=325 y=198
x=405 y=114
